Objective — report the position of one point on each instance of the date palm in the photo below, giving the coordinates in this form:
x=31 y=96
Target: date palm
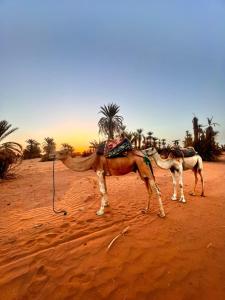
x=68 y=147
x=164 y=143
x=129 y=135
x=49 y=147
x=32 y=149
x=176 y=143
x=10 y=152
x=111 y=122
x=94 y=145
x=149 y=138
x=139 y=137
x=134 y=139
x=155 y=139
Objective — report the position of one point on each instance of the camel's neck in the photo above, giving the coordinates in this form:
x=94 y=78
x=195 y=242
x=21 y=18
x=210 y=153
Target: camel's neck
x=68 y=162
x=162 y=163
x=79 y=164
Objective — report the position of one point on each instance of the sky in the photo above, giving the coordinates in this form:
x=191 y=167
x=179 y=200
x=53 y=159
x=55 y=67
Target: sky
x=161 y=61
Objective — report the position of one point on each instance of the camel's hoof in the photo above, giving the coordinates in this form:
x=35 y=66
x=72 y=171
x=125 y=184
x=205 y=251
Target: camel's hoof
x=174 y=198
x=106 y=205
x=192 y=194
x=161 y=215
x=182 y=200
x=202 y=195
x=145 y=211
x=99 y=213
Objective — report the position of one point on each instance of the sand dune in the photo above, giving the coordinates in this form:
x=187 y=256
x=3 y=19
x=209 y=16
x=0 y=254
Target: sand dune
x=49 y=256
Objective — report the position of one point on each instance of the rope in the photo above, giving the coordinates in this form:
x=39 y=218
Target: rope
x=53 y=192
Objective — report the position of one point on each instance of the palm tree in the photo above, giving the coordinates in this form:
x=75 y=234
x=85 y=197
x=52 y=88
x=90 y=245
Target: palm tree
x=110 y=122
x=155 y=139
x=195 y=129
x=68 y=147
x=48 y=147
x=164 y=143
x=176 y=143
x=210 y=132
x=188 y=139
x=128 y=135
x=134 y=140
x=94 y=145
x=10 y=152
x=139 y=137
x=32 y=150
x=149 y=138
x=159 y=144
x=205 y=143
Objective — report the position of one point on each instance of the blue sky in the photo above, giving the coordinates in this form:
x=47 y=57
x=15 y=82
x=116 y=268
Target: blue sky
x=160 y=61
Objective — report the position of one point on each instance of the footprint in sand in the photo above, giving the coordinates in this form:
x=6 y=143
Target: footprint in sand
x=65 y=225
x=51 y=235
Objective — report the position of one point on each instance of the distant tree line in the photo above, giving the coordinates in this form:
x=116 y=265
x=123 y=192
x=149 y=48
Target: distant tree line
x=33 y=149
x=12 y=153
x=203 y=140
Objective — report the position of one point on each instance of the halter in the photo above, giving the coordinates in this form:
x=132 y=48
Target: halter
x=155 y=151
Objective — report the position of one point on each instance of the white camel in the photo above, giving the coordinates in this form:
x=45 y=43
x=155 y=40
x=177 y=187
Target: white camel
x=178 y=165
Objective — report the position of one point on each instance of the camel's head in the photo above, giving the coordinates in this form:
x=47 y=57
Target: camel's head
x=150 y=151
x=62 y=154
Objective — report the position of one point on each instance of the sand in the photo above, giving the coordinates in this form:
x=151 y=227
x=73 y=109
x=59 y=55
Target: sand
x=49 y=256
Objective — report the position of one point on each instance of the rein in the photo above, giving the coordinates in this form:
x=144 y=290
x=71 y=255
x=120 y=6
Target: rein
x=53 y=192
x=147 y=161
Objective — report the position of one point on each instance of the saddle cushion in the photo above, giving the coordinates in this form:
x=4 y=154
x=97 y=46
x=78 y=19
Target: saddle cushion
x=114 y=149
x=182 y=152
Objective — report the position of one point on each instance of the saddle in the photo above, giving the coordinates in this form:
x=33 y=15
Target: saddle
x=182 y=152
x=115 y=148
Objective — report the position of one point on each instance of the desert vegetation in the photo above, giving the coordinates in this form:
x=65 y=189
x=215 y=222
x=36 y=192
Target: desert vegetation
x=32 y=149
x=10 y=152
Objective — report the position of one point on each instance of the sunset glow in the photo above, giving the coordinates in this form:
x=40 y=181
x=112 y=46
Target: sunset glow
x=161 y=62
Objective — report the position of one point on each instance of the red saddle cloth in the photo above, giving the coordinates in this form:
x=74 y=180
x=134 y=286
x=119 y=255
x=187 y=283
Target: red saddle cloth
x=111 y=144
x=117 y=148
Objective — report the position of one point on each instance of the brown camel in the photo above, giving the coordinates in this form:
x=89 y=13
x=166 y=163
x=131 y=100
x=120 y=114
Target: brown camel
x=132 y=162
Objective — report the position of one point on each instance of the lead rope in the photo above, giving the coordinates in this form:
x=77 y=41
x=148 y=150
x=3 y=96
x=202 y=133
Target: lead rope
x=53 y=192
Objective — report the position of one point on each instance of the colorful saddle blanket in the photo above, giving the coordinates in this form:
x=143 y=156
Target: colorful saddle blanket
x=112 y=148
x=182 y=152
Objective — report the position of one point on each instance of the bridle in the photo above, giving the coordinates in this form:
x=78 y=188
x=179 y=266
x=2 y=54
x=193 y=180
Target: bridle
x=151 y=154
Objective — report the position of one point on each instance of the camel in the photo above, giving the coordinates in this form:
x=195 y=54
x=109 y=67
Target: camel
x=114 y=166
x=178 y=165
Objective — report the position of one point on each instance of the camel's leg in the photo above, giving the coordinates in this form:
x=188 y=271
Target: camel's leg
x=203 y=185
x=147 y=184
x=174 y=196
x=182 y=199
x=102 y=187
x=196 y=181
x=106 y=194
x=155 y=188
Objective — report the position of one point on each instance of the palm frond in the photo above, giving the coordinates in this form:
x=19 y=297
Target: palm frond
x=4 y=129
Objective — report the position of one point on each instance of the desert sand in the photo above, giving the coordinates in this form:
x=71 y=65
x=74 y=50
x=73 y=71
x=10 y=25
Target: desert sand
x=49 y=256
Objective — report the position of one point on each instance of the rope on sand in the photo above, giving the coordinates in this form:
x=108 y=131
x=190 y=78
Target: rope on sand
x=116 y=237
x=53 y=192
